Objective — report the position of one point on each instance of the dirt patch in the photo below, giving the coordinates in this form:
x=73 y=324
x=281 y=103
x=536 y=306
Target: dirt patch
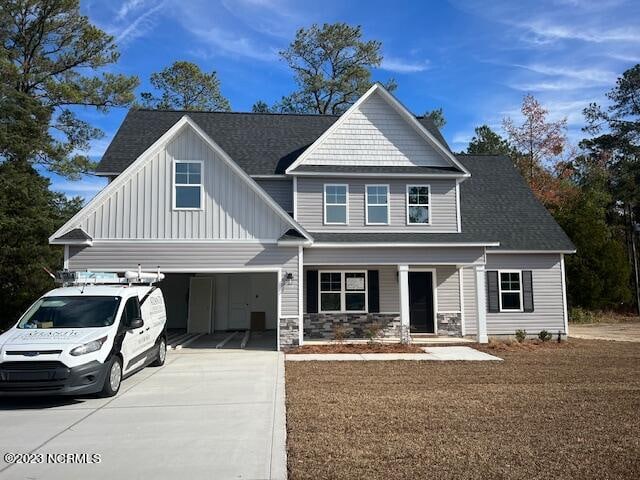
x=553 y=413
x=357 y=348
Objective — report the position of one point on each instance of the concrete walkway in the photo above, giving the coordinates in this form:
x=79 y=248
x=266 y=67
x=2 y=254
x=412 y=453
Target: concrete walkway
x=466 y=354
x=205 y=414
x=621 y=332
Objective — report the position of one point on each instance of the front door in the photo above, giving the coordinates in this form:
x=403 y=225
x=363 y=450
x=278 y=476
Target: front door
x=421 y=302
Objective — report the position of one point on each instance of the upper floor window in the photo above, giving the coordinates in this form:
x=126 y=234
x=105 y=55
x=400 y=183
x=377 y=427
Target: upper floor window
x=336 y=204
x=377 y=207
x=187 y=185
x=510 y=287
x=418 y=203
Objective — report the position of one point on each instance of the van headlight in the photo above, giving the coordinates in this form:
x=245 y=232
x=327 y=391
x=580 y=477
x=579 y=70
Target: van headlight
x=92 y=346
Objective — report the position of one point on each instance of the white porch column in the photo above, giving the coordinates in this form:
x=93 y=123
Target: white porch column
x=403 y=281
x=481 y=303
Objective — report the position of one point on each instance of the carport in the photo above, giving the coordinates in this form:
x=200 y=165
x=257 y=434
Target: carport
x=218 y=303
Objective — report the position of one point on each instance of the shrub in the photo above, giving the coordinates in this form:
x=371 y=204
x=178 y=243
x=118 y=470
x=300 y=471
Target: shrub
x=544 y=336
x=339 y=332
x=374 y=331
x=521 y=335
x=581 y=315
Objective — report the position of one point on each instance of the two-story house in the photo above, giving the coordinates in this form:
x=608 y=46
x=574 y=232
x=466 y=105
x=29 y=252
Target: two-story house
x=298 y=223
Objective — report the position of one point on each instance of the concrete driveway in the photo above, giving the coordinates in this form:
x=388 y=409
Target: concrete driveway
x=622 y=332
x=205 y=414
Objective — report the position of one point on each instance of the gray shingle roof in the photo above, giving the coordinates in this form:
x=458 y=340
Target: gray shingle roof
x=394 y=238
x=261 y=143
x=496 y=205
x=75 y=234
x=390 y=169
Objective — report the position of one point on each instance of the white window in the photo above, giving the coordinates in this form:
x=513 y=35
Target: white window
x=510 y=288
x=187 y=185
x=377 y=204
x=336 y=204
x=343 y=291
x=418 y=203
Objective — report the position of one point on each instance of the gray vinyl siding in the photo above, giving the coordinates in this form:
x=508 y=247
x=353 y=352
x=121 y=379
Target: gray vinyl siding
x=443 y=209
x=469 y=315
x=548 y=311
x=185 y=257
x=392 y=255
x=447 y=286
x=375 y=134
x=281 y=190
x=141 y=206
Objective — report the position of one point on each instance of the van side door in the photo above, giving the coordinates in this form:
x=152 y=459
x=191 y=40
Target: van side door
x=134 y=344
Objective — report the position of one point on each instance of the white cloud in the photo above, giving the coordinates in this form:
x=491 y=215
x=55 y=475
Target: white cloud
x=127 y=7
x=137 y=27
x=592 y=75
x=544 y=30
x=392 y=64
x=232 y=44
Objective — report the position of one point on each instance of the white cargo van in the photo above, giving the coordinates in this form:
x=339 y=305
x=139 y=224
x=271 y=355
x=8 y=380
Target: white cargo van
x=85 y=337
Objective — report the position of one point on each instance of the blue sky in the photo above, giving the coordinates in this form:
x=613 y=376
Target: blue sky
x=475 y=59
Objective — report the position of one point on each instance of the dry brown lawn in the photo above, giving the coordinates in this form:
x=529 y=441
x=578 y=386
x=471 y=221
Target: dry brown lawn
x=556 y=413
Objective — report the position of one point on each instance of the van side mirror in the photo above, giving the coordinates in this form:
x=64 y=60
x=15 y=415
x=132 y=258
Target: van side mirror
x=135 y=323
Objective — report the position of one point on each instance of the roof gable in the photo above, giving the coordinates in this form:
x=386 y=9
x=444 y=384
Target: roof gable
x=378 y=131
x=137 y=204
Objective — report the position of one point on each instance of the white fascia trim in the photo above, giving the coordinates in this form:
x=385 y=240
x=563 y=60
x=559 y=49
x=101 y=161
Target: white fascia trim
x=394 y=245
x=270 y=177
x=445 y=176
x=224 y=241
x=401 y=109
x=521 y=252
x=55 y=241
x=157 y=146
x=412 y=228
x=294 y=243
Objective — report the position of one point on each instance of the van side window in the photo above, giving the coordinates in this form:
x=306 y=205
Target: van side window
x=131 y=310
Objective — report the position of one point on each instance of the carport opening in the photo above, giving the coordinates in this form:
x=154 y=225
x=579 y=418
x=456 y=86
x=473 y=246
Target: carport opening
x=216 y=305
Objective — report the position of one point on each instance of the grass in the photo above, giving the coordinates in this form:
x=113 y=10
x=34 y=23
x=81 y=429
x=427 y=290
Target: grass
x=582 y=316
x=556 y=413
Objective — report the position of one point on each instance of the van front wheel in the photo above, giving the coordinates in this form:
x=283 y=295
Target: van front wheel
x=161 y=356
x=113 y=379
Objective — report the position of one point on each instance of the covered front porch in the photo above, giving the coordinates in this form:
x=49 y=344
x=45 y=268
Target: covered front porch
x=402 y=302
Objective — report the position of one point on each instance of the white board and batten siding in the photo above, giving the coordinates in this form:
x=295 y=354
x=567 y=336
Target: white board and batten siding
x=375 y=134
x=548 y=311
x=190 y=257
x=141 y=208
x=443 y=208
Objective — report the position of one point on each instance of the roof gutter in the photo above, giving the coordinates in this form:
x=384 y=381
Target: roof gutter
x=407 y=244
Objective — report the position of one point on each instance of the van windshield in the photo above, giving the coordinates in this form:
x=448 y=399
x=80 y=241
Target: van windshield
x=71 y=312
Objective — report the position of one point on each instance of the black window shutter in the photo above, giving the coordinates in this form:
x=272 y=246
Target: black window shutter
x=527 y=290
x=373 y=283
x=493 y=302
x=312 y=291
